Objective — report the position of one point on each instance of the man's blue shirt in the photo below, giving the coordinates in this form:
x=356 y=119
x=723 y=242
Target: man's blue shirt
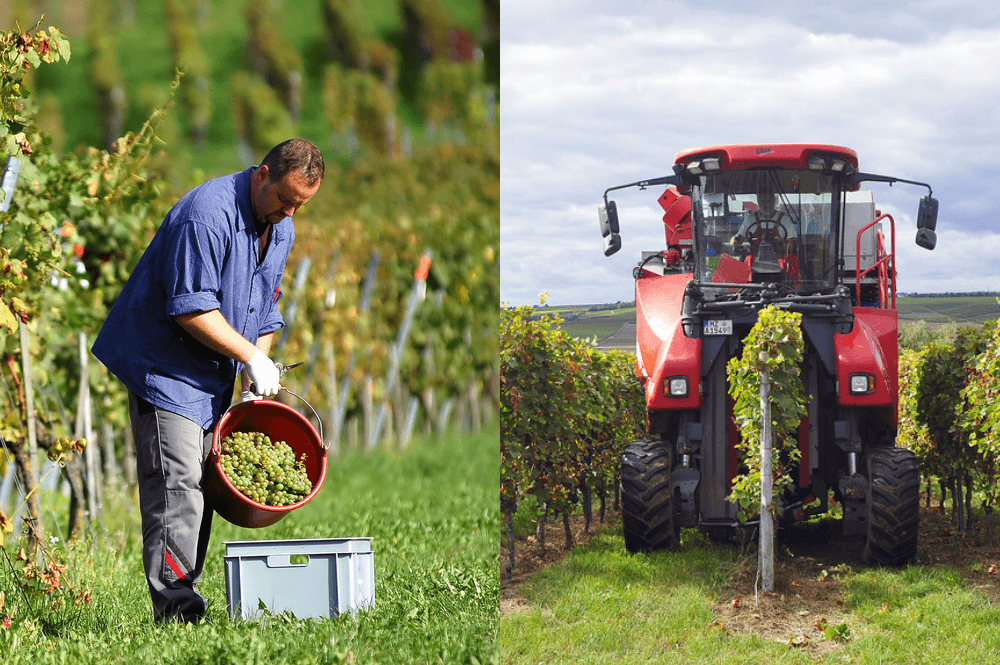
x=203 y=257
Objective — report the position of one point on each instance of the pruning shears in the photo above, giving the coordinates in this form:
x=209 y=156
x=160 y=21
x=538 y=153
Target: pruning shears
x=284 y=368
x=281 y=372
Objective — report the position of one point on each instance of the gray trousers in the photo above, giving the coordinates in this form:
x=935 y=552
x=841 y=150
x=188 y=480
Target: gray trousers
x=171 y=454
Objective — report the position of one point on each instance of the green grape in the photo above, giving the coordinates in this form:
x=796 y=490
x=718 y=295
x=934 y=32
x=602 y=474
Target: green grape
x=263 y=470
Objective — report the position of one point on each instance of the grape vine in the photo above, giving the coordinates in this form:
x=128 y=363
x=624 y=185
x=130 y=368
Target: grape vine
x=775 y=347
x=27 y=254
x=567 y=413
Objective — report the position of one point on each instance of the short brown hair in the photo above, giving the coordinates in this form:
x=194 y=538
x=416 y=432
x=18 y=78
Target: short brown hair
x=295 y=155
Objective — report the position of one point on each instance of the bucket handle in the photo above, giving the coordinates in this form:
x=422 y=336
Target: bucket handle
x=322 y=441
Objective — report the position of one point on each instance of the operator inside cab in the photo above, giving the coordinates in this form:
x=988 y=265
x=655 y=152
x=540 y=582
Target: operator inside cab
x=766 y=241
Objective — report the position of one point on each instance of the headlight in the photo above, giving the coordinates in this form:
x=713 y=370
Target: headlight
x=675 y=386
x=711 y=163
x=816 y=163
x=862 y=384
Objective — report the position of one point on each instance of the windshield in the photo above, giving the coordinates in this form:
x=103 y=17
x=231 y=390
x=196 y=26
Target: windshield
x=766 y=226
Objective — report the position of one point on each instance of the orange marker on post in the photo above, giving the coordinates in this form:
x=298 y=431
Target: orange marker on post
x=423 y=268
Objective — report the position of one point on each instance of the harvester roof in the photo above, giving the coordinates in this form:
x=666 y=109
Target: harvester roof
x=777 y=155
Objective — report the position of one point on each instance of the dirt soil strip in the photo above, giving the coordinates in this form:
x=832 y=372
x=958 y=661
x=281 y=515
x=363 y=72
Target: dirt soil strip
x=527 y=561
x=806 y=608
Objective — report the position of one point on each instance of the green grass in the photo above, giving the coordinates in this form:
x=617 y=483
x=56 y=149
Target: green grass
x=601 y=605
x=949 y=309
x=432 y=514
x=581 y=323
x=932 y=617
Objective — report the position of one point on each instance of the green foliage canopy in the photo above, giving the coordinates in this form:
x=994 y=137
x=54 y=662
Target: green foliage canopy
x=774 y=348
x=27 y=251
x=567 y=411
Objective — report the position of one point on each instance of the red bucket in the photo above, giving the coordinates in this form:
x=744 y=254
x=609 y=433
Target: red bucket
x=281 y=423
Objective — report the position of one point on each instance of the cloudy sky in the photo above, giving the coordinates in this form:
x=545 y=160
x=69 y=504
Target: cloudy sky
x=599 y=93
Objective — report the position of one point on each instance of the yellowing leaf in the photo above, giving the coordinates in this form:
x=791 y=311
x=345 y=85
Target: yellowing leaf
x=7 y=318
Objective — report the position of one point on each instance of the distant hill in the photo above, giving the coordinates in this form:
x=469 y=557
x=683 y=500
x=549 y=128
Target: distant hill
x=613 y=325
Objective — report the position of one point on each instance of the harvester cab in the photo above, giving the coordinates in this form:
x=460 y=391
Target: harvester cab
x=745 y=227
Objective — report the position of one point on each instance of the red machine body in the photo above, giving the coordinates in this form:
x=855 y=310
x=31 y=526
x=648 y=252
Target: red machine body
x=748 y=226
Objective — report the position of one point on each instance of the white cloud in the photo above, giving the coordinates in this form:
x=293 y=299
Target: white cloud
x=962 y=261
x=594 y=100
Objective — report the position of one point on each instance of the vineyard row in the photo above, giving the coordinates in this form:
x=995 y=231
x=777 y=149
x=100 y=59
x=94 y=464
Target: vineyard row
x=568 y=411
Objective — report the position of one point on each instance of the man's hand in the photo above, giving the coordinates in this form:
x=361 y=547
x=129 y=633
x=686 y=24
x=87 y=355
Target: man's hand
x=247 y=396
x=263 y=373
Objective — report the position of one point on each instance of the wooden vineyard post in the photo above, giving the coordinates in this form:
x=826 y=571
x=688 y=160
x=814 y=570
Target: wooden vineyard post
x=345 y=384
x=765 y=383
x=333 y=440
x=428 y=396
x=766 y=563
x=293 y=306
x=31 y=464
x=307 y=383
x=84 y=429
x=367 y=408
x=417 y=294
x=110 y=463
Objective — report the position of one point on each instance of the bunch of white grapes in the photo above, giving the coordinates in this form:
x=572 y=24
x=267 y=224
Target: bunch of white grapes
x=61 y=448
x=263 y=470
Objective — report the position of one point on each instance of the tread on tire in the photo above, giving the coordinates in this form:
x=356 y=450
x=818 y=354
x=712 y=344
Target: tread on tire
x=893 y=507
x=648 y=519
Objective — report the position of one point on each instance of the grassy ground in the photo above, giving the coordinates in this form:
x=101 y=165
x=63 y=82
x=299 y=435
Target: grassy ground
x=699 y=605
x=611 y=327
x=962 y=310
x=432 y=513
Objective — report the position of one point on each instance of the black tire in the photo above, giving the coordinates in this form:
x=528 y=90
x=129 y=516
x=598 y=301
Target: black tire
x=893 y=507
x=648 y=518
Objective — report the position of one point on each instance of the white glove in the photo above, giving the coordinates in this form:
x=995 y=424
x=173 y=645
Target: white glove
x=263 y=374
x=248 y=396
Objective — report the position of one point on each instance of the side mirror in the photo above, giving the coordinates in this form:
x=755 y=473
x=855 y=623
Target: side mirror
x=927 y=222
x=612 y=244
x=608 y=214
x=609 y=218
x=926 y=238
x=927 y=215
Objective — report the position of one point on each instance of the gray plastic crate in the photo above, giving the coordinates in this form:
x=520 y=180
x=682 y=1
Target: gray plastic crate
x=336 y=575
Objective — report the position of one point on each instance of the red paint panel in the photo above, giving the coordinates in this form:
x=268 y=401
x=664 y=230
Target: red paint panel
x=872 y=347
x=662 y=349
x=677 y=220
x=780 y=155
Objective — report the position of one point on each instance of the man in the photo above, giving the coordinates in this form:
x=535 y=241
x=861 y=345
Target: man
x=765 y=222
x=201 y=306
x=766 y=240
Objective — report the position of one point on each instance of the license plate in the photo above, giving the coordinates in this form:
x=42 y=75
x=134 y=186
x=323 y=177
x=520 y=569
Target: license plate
x=719 y=327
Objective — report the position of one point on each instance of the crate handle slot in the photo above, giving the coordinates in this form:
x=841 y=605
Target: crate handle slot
x=287 y=560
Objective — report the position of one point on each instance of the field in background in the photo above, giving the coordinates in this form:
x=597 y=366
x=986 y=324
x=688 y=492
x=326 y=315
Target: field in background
x=614 y=325
x=223 y=33
x=959 y=309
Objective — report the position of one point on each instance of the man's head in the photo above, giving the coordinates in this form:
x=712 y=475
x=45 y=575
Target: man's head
x=288 y=176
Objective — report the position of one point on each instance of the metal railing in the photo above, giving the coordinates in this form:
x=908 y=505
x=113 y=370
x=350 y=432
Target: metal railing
x=885 y=262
